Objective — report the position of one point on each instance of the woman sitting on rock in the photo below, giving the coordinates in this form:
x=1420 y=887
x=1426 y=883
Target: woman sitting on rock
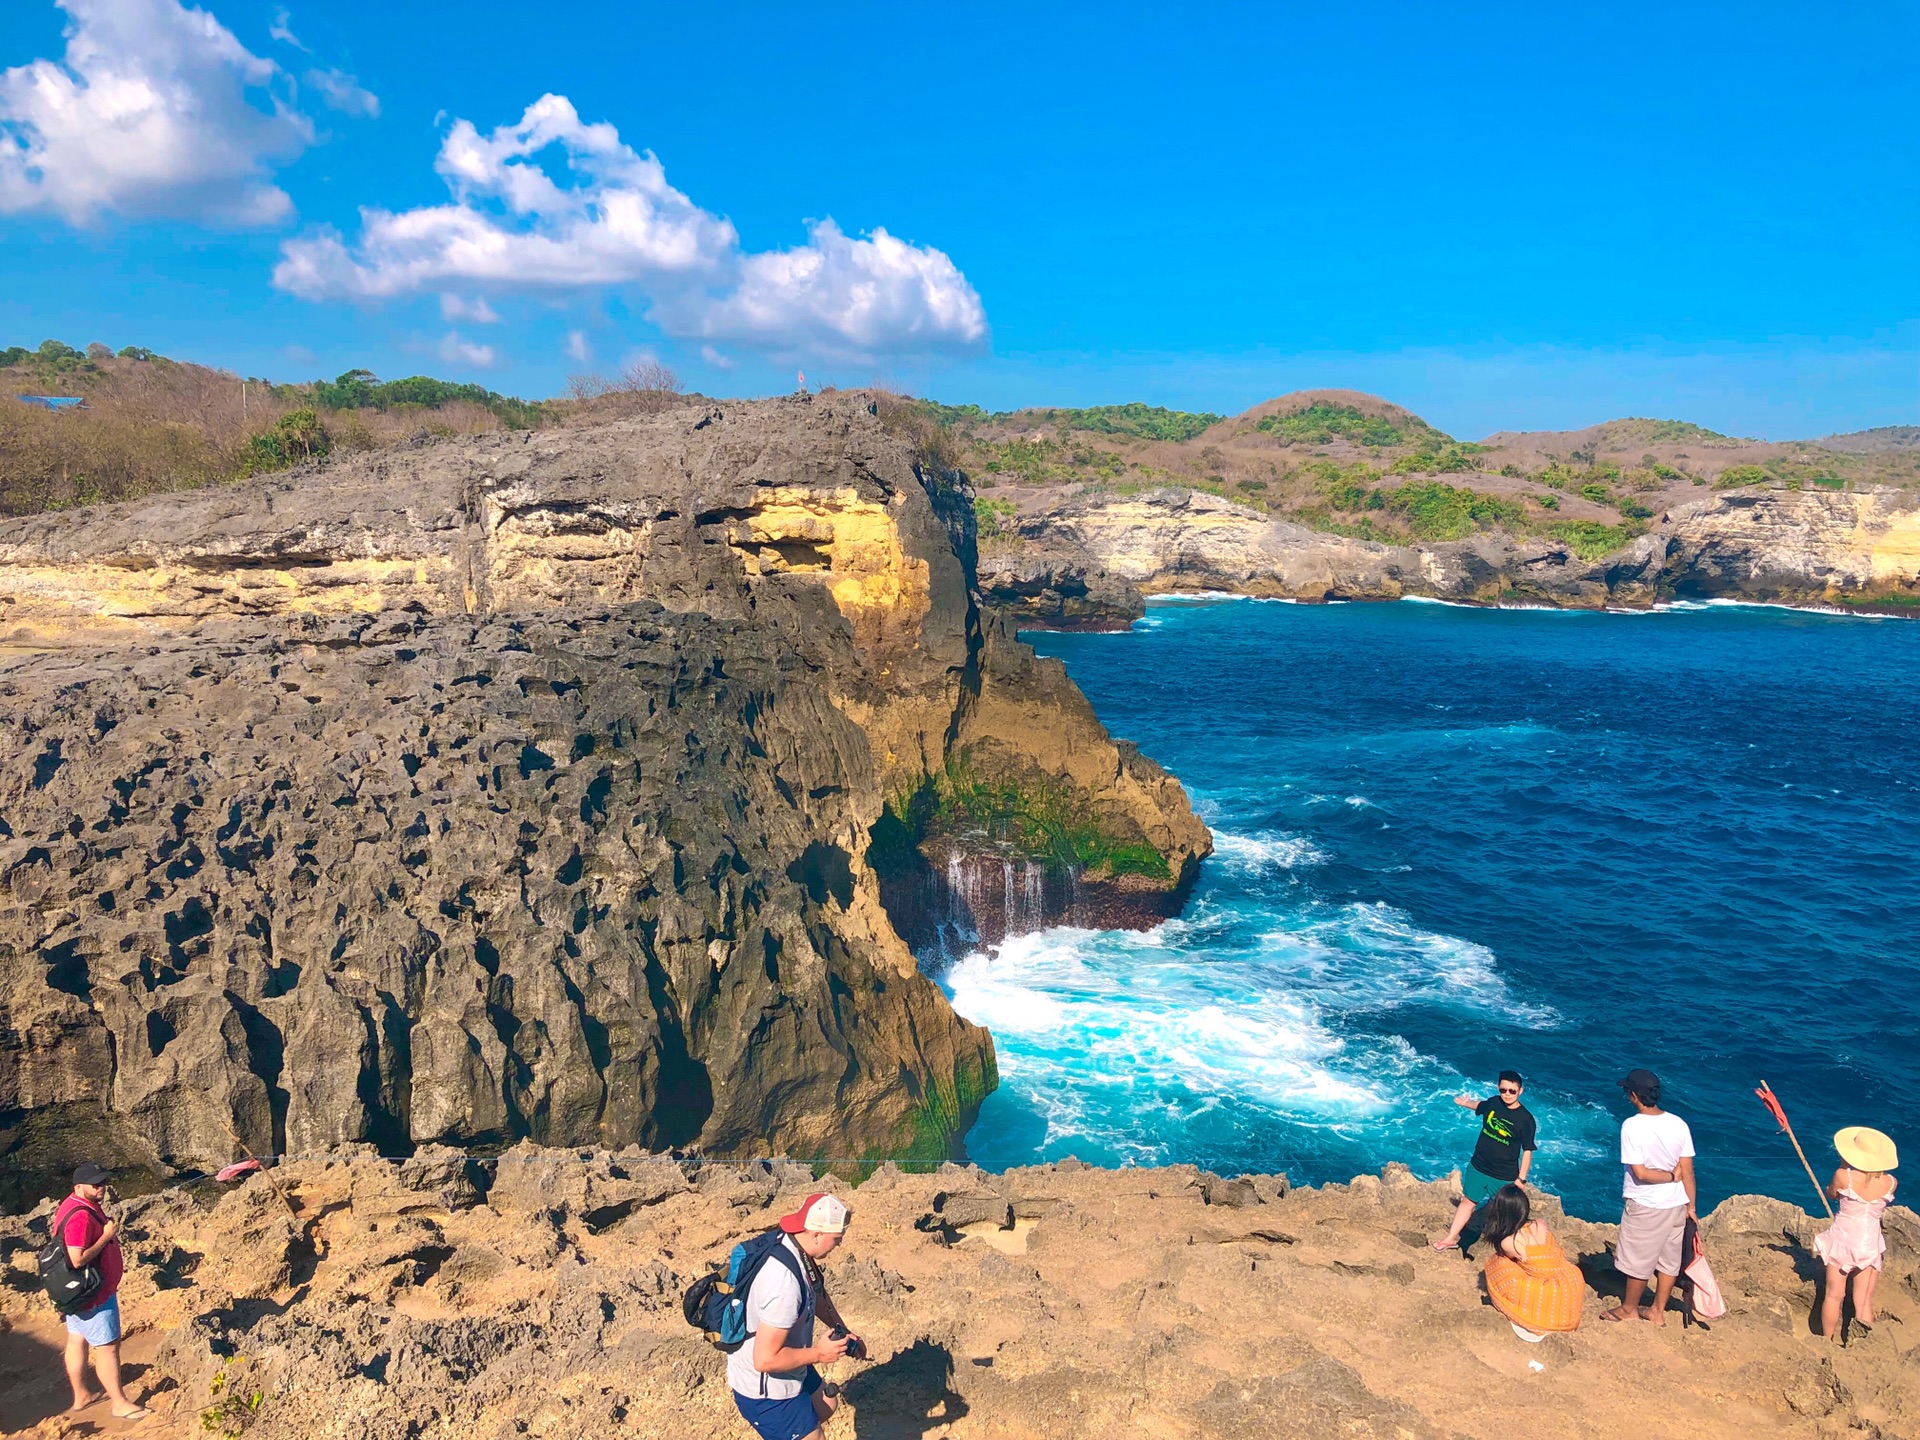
x=1854 y=1244
x=1529 y=1278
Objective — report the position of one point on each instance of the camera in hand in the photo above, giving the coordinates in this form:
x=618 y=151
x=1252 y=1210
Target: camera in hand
x=856 y=1347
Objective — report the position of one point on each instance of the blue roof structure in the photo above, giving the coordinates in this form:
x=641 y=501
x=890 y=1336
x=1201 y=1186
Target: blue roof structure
x=52 y=402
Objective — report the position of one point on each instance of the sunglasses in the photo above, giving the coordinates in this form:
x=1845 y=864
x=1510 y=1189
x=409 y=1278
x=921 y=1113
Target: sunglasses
x=1509 y=1089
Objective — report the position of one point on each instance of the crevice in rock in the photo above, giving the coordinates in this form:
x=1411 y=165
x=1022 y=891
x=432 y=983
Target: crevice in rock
x=685 y=1097
x=266 y=1057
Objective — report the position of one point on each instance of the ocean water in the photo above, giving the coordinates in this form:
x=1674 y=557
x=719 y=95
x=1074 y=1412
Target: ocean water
x=1455 y=840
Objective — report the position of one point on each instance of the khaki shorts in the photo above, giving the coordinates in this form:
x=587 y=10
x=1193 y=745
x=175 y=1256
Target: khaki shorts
x=1649 y=1241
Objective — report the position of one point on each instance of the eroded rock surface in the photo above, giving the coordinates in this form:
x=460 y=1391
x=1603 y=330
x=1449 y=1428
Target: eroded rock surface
x=519 y=787
x=1055 y=1301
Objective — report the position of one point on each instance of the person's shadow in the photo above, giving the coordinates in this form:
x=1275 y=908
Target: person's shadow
x=907 y=1396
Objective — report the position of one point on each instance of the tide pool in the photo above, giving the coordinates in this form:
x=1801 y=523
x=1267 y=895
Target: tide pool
x=1453 y=840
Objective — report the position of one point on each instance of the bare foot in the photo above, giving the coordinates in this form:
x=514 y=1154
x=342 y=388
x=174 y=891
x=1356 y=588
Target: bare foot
x=1446 y=1245
x=132 y=1412
x=1619 y=1312
x=1658 y=1317
x=86 y=1404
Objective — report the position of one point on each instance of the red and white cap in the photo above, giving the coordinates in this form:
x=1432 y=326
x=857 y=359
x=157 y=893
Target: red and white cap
x=823 y=1214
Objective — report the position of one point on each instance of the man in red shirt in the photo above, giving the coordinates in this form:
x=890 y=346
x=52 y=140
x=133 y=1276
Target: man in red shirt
x=92 y=1239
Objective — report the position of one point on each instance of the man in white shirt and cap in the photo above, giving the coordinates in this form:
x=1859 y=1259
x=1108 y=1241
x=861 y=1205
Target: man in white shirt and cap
x=774 y=1376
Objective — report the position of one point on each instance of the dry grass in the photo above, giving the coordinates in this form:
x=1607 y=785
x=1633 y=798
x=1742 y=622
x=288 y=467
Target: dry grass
x=158 y=425
x=936 y=446
x=643 y=388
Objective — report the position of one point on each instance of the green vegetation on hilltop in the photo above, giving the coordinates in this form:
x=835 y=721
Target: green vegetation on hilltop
x=1321 y=423
x=1049 y=462
x=1660 y=432
x=1143 y=422
x=363 y=390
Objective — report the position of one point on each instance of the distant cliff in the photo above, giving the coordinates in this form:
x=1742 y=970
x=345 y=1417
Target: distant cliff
x=1084 y=561
x=531 y=785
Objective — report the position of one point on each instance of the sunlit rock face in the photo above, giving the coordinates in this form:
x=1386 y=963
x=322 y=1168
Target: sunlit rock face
x=522 y=786
x=1086 y=561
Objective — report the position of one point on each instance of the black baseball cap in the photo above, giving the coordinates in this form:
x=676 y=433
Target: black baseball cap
x=1643 y=1083
x=90 y=1174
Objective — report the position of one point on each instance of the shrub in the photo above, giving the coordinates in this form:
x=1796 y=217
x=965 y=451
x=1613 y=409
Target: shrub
x=363 y=390
x=1144 y=422
x=1435 y=510
x=1589 y=539
x=1737 y=475
x=1320 y=423
x=296 y=436
x=993 y=518
x=1441 y=460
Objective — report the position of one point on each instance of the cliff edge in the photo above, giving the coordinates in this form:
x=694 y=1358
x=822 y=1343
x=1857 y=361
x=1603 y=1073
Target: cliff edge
x=538 y=1294
x=519 y=787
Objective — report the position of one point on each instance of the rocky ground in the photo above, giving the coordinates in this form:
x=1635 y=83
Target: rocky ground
x=539 y=1296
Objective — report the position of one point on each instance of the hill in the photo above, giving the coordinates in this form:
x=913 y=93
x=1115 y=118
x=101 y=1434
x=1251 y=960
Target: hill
x=149 y=424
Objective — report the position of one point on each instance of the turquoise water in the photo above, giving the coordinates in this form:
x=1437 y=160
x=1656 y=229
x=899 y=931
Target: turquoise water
x=1453 y=840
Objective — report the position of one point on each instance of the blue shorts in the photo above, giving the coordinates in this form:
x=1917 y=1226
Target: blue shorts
x=783 y=1419
x=98 y=1326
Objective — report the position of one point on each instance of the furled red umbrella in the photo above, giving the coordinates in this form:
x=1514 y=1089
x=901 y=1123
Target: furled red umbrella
x=1772 y=1102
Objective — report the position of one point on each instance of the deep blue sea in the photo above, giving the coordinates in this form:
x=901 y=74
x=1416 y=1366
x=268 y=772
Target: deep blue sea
x=1453 y=840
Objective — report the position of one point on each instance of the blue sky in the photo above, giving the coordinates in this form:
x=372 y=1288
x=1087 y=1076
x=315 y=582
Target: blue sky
x=1499 y=216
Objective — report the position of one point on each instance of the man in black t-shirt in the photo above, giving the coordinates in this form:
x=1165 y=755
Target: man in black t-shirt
x=1502 y=1155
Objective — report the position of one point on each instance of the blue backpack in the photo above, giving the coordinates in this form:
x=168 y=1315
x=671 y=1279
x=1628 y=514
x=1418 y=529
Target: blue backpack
x=716 y=1303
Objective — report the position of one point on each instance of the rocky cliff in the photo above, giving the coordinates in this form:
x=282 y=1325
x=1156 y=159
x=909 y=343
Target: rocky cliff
x=522 y=786
x=538 y=1295
x=1082 y=561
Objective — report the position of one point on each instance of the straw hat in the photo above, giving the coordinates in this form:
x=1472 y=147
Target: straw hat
x=1866 y=1149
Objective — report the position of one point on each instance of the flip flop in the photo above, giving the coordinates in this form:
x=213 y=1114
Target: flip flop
x=141 y=1414
x=1449 y=1245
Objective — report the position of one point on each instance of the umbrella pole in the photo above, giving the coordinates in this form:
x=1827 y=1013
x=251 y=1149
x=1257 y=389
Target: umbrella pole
x=1818 y=1187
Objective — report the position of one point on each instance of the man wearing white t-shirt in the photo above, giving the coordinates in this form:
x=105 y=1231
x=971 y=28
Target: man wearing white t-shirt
x=1656 y=1149
x=774 y=1382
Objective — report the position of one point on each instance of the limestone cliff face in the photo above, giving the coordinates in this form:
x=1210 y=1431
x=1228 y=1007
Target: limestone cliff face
x=1804 y=547
x=515 y=787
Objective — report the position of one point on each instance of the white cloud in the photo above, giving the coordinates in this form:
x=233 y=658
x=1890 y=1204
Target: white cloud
x=618 y=223
x=876 y=294
x=456 y=350
x=282 y=29
x=341 y=91
x=156 y=109
x=579 y=348
x=455 y=307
